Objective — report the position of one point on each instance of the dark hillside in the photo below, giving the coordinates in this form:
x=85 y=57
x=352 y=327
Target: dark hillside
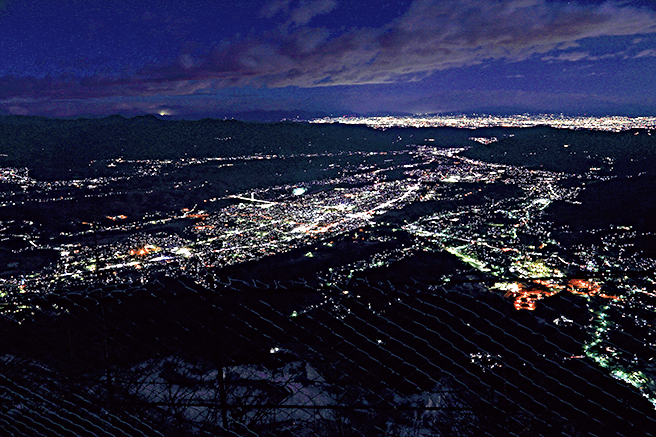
x=52 y=147
x=572 y=151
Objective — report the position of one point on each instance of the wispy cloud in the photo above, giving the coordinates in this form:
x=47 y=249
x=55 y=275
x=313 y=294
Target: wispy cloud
x=431 y=36
x=568 y=45
x=572 y=57
x=298 y=14
x=307 y=10
x=646 y=53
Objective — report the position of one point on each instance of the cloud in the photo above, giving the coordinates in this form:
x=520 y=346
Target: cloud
x=34 y=90
x=572 y=57
x=646 y=53
x=307 y=10
x=275 y=7
x=430 y=36
x=299 y=14
x=583 y=56
x=568 y=45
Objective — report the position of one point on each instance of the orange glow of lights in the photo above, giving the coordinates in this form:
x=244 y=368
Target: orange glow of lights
x=609 y=296
x=526 y=296
x=583 y=287
x=142 y=251
x=525 y=304
x=549 y=284
x=197 y=216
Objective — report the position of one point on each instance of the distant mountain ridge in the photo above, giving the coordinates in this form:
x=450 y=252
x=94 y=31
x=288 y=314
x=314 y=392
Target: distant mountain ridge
x=51 y=146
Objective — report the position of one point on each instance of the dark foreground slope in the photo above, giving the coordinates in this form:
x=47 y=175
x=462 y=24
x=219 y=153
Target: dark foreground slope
x=148 y=360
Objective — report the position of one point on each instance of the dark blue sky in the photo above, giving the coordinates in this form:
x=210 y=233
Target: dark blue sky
x=225 y=58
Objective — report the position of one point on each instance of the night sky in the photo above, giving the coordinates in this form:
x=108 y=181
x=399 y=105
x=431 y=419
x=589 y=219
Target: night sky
x=197 y=59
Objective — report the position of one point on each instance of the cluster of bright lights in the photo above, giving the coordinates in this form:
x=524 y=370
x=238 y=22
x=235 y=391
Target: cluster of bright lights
x=608 y=123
